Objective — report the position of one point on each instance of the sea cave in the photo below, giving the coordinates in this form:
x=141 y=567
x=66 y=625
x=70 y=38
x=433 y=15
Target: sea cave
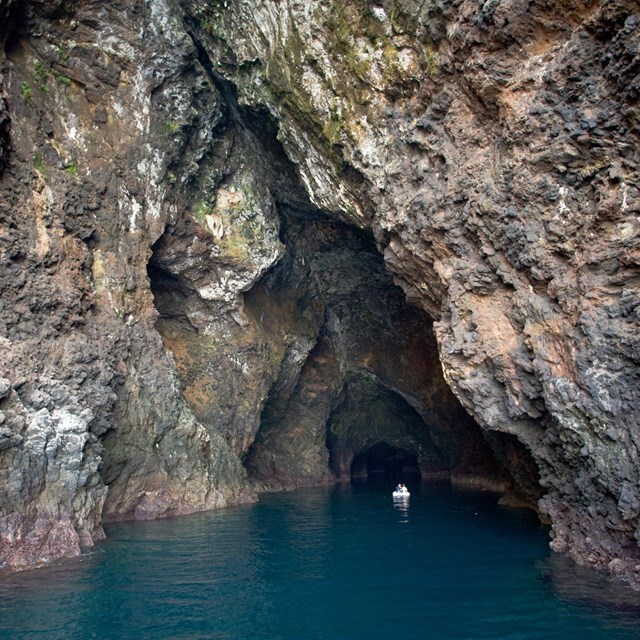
x=257 y=247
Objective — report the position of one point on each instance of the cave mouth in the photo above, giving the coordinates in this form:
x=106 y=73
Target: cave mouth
x=171 y=294
x=321 y=369
x=383 y=461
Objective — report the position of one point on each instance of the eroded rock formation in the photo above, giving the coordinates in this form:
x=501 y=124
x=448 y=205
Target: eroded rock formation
x=242 y=241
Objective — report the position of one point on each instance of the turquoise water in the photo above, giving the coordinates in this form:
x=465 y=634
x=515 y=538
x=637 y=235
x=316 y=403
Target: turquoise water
x=337 y=563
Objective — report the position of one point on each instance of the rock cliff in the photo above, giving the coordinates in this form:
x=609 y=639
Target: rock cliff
x=252 y=245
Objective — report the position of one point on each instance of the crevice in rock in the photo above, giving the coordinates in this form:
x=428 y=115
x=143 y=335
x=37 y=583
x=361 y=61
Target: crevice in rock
x=170 y=295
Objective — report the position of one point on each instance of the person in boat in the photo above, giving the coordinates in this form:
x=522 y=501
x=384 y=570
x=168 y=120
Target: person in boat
x=398 y=487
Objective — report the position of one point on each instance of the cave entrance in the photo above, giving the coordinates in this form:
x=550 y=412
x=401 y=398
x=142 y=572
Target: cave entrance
x=374 y=432
x=383 y=459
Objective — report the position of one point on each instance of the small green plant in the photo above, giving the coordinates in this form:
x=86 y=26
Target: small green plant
x=72 y=168
x=42 y=75
x=61 y=53
x=38 y=164
x=41 y=70
x=62 y=79
x=171 y=127
x=27 y=92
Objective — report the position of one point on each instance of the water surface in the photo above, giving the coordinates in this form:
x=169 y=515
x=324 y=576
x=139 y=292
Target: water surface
x=335 y=563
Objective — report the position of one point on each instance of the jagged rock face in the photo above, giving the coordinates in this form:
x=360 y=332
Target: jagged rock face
x=492 y=148
x=108 y=130
x=182 y=293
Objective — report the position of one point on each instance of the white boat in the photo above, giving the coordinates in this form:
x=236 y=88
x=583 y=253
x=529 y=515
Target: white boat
x=401 y=494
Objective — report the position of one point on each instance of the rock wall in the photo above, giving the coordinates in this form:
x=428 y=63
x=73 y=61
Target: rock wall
x=192 y=196
x=112 y=118
x=492 y=148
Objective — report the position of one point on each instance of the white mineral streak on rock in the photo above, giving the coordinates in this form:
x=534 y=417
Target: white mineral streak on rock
x=73 y=130
x=116 y=46
x=562 y=205
x=151 y=169
x=379 y=13
x=321 y=99
x=134 y=105
x=408 y=60
x=324 y=190
x=272 y=21
x=43 y=203
x=161 y=17
x=130 y=207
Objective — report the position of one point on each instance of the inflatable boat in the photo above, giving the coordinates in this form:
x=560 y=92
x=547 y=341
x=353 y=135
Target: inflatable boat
x=400 y=494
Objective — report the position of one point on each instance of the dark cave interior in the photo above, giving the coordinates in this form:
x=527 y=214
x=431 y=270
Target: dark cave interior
x=353 y=382
x=383 y=459
x=344 y=372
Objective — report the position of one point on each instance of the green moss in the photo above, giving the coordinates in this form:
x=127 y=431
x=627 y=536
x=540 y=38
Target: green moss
x=171 y=127
x=333 y=131
x=26 y=92
x=234 y=248
x=343 y=27
x=430 y=62
x=404 y=19
x=201 y=212
x=335 y=127
x=42 y=75
x=72 y=168
x=338 y=30
x=392 y=69
x=38 y=164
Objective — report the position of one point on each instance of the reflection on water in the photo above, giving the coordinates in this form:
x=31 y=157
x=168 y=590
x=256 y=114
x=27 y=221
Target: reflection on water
x=402 y=505
x=585 y=587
